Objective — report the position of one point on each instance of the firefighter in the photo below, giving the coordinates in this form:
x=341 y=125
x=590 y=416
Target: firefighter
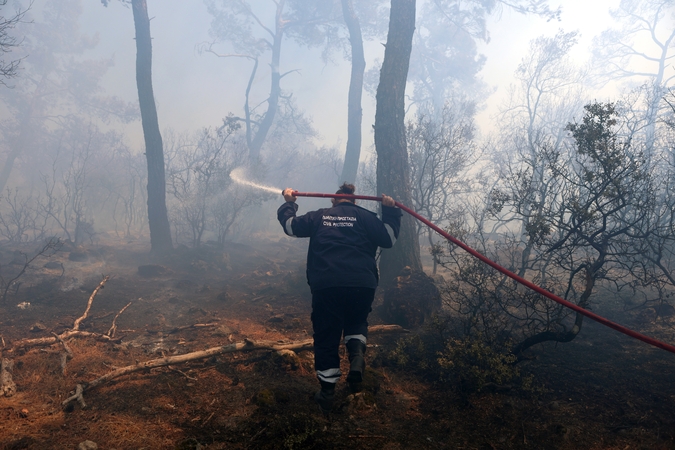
x=342 y=275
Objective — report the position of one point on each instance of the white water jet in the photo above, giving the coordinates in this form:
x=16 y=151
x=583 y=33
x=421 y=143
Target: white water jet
x=237 y=175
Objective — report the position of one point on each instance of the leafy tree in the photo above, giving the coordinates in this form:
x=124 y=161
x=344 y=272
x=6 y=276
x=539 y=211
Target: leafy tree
x=589 y=230
x=604 y=200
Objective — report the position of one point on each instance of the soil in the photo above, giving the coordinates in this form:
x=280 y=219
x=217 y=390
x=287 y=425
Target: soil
x=601 y=391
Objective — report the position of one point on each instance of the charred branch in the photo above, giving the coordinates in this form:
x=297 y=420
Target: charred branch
x=113 y=328
x=245 y=346
x=73 y=332
x=76 y=325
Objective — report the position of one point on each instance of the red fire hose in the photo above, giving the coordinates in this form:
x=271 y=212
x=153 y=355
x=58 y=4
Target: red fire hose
x=519 y=279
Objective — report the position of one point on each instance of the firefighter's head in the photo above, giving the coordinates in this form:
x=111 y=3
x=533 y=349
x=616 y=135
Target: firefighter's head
x=346 y=188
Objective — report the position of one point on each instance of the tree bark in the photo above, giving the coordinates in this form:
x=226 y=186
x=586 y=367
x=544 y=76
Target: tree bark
x=354 y=110
x=393 y=172
x=275 y=88
x=160 y=233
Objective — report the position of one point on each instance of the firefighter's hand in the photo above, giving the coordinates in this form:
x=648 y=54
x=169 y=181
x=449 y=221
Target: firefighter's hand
x=388 y=201
x=288 y=195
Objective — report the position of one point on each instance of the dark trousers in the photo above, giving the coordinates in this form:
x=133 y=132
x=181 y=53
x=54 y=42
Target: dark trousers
x=334 y=311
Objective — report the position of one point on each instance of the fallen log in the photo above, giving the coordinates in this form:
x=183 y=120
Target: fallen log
x=247 y=345
x=46 y=341
x=382 y=329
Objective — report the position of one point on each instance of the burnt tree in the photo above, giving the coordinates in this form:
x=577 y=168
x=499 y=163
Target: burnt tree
x=160 y=233
x=393 y=172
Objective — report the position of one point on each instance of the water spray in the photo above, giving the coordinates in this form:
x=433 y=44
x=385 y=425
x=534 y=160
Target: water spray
x=620 y=328
x=237 y=175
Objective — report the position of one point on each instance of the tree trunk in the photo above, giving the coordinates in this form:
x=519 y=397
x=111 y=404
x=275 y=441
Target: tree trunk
x=354 y=111
x=275 y=89
x=160 y=233
x=393 y=177
x=567 y=335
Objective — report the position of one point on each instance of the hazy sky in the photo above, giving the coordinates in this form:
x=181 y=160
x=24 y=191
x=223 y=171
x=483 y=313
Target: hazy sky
x=194 y=90
x=511 y=34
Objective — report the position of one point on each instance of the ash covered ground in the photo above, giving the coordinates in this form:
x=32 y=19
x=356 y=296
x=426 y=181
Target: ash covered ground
x=601 y=391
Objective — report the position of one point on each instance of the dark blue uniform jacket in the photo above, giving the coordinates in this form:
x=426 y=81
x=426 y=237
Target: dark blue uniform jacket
x=343 y=242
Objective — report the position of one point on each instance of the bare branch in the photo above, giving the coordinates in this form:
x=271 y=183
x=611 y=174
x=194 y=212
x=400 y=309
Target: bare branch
x=113 y=327
x=76 y=324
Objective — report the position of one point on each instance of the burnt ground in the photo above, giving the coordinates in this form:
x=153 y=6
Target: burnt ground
x=601 y=391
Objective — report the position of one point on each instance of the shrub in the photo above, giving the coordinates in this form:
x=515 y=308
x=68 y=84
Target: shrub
x=476 y=365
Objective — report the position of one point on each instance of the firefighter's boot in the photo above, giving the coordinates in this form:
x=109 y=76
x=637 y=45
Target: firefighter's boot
x=357 y=367
x=324 y=397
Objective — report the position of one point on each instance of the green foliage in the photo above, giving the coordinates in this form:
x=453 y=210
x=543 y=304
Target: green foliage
x=595 y=136
x=300 y=432
x=412 y=353
x=538 y=229
x=265 y=398
x=471 y=362
x=496 y=201
x=475 y=364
